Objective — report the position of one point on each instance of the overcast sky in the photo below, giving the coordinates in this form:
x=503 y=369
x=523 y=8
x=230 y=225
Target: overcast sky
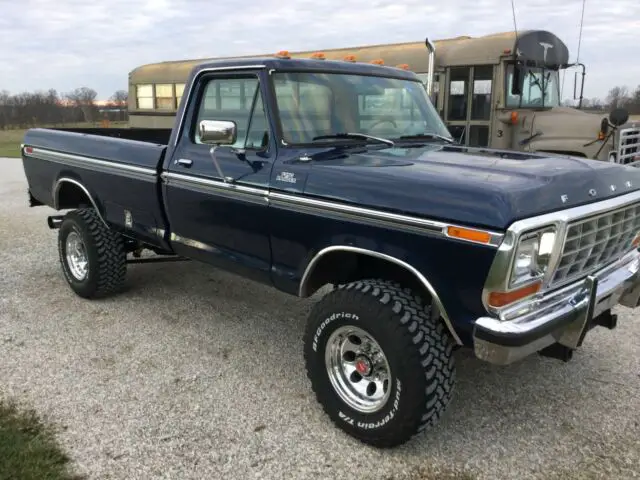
x=64 y=44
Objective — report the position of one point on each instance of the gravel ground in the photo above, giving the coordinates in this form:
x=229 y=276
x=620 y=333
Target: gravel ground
x=195 y=373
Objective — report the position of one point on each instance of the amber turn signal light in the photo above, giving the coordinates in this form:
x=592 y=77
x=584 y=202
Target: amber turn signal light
x=469 y=234
x=501 y=299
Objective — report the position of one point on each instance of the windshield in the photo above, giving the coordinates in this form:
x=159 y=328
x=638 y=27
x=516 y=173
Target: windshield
x=313 y=104
x=541 y=88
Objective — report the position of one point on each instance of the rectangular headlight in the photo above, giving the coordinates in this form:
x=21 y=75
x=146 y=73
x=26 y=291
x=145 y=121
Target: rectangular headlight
x=531 y=257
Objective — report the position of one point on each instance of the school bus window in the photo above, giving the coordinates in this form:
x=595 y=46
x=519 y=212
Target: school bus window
x=179 y=92
x=144 y=96
x=458 y=89
x=481 y=100
x=164 y=96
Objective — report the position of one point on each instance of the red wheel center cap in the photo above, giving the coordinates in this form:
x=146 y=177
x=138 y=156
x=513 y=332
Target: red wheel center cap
x=363 y=366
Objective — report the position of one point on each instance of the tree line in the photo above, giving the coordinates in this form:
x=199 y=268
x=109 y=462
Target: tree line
x=619 y=96
x=50 y=108
x=31 y=109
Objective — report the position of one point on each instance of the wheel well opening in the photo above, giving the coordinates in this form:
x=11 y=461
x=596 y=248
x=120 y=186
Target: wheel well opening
x=72 y=196
x=343 y=267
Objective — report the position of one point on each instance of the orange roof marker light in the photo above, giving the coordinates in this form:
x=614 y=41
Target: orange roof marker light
x=378 y=61
x=283 y=54
x=319 y=56
x=350 y=58
x=403 y=66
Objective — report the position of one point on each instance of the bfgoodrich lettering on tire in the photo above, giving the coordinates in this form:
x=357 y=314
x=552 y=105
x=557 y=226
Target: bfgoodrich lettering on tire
x=380 y=366
x=93 y=258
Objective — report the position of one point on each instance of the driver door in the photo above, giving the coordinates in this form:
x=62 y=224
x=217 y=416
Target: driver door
x=225 y=223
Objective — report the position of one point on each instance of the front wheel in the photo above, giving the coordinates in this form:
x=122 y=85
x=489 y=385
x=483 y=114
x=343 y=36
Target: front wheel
x=93 y=257
x=380 y=366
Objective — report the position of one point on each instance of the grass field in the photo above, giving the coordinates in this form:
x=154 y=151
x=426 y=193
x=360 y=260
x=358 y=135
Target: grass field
x=28 y=450
x=10 y=140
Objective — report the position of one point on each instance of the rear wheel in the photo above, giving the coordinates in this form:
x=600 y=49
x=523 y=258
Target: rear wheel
x=380 y=366
x=93 y=258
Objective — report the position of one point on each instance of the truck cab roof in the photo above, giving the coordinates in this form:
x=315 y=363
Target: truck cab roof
x=309 y=64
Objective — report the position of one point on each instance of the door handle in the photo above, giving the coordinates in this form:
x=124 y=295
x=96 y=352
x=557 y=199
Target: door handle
x=185 y=162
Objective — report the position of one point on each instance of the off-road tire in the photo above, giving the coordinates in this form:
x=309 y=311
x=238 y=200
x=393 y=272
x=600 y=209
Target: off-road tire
x=419 y=351
x=106 y=255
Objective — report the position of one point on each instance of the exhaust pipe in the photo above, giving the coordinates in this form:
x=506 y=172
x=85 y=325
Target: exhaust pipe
x=54 y=221
x=557 y=351
x=432 y=52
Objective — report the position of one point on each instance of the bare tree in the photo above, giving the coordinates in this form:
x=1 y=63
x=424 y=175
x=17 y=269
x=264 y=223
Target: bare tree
x=120 y=98
x=84 y=98
x=618 y=97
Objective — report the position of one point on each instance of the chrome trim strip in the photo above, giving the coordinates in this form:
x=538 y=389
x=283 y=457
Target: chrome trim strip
x=302 y=292
x=279 y=199
x=82 y=161
x=218 y=184
x=187 y=94
x=381 y=215
x=498 y=277
x=431 y=226
x=231 y=190
x=56 y=199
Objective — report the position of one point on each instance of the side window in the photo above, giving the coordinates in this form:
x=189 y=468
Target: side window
x=458 y=89
x=233 y=99
x=144 y=96
x=481 y=100
x=164 y=96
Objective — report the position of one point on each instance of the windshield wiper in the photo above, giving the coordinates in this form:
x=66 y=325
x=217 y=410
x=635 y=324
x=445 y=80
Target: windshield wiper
x=354 y=135
x=427 y=135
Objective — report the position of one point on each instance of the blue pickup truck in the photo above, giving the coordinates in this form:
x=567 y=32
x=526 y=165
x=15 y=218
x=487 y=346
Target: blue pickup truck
x=308 y=173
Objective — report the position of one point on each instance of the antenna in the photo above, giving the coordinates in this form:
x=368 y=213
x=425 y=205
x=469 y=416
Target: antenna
x=564 y=73
x=515 y=25
x=580 y=34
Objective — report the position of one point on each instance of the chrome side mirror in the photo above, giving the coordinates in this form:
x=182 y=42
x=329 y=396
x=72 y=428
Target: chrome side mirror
x=218 y=132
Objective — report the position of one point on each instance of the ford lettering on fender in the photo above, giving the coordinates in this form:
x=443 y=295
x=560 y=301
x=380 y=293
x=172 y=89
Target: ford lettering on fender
x=302 y=173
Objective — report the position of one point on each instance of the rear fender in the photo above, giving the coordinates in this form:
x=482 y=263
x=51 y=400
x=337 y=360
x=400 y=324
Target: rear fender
x=68 y=192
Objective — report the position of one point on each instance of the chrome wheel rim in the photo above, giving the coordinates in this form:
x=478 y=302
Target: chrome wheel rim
x=358 y=369
x=76 y=255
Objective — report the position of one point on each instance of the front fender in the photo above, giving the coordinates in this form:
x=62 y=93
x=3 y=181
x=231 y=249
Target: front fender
x=454 y=272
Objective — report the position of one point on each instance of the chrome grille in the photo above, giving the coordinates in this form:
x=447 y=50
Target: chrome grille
x=629 y=149
x=594 y=242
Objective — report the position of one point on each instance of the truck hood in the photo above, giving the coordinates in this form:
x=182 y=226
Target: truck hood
x=473 y=186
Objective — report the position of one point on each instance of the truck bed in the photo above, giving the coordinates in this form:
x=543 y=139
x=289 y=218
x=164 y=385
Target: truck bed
x=158 y=136
x=116 y=168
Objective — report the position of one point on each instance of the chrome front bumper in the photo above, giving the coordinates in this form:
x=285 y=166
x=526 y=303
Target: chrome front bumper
x=561 y=317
